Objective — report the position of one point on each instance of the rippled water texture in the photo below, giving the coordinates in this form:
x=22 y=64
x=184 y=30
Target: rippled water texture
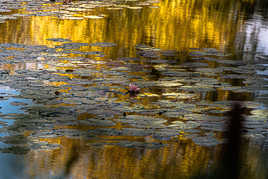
x=66 y=70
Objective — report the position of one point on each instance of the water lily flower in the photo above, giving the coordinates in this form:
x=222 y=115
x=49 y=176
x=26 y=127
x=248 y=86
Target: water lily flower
x=133 y=89
x=67 y=1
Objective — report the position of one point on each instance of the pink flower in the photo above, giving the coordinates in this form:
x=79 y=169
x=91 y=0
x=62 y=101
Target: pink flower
x=133 y=88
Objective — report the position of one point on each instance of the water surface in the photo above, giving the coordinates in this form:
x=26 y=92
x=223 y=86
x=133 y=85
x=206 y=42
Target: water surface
x=66 y=68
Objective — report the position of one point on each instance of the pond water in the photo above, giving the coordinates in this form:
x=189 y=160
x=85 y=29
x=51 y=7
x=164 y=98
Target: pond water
x=65 y=72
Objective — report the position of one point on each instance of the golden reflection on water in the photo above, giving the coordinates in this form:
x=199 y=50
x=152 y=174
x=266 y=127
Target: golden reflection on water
x=178 y=159
x=176 y=24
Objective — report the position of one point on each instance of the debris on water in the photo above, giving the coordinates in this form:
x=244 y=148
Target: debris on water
x=69 y=70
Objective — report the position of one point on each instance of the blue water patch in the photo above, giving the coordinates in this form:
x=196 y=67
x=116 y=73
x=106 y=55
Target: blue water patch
x=2 y=145
x=10 y=105
x=7 y=107
x=6 y=90
x=11 y=166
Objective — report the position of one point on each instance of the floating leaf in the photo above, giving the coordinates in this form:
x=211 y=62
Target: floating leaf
x=207 y=141
x=94 y=17
x=103 y=44
x=169 y=83
x=71 y=17
x=59 y=40
x=134 y=8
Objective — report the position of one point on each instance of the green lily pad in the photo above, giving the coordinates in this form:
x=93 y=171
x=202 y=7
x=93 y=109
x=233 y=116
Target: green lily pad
x=139 y=121
x=207 y=141
x=103 y=44
x=96 y=122
x=169 y=83
x=59 y=40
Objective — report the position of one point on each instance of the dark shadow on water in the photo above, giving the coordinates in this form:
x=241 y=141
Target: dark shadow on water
x=73 y=158
x=232 y=161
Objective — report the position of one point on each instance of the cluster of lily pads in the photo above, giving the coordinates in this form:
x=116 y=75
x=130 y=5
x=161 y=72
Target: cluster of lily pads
x=76 y=10
x=63 y=89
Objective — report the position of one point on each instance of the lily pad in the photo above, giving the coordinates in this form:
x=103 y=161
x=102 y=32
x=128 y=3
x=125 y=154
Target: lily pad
x=94 y=17
x=169 y=83
x=96 y=122
x=134 y=8
x=139 y=121
x=178 y=113
x=59 y=40
x=103 y=44
x=207 y=141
